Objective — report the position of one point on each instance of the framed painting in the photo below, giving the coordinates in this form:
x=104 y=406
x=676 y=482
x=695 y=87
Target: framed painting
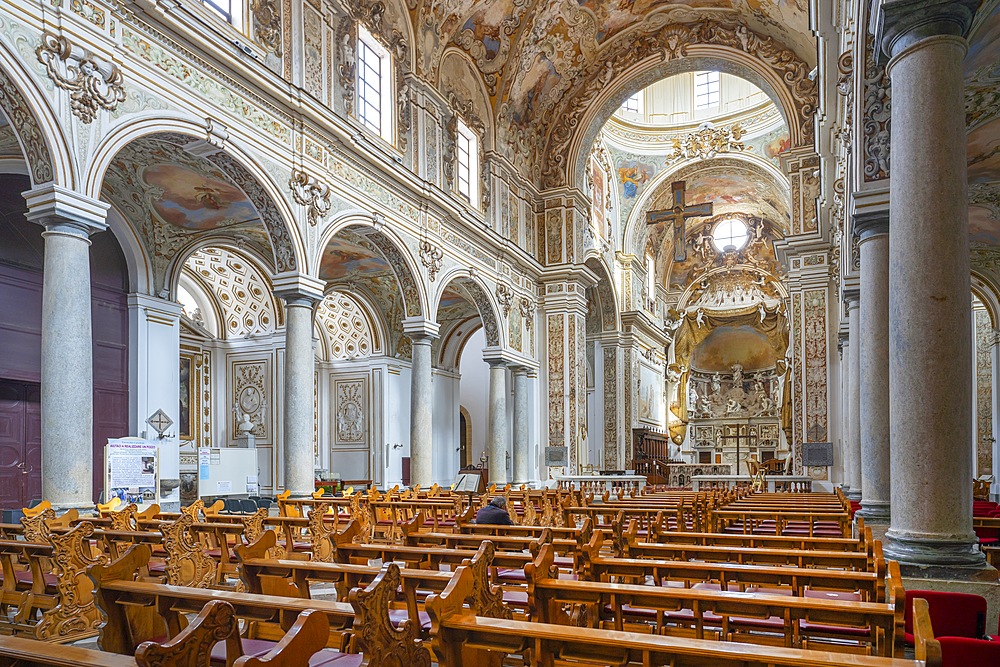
x=186 y=409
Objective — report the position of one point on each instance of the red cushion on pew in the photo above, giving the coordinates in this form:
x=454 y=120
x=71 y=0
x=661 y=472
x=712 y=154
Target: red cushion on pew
x=398 y=616
x=517 y=599
x=24 y=577
x=259 y=647
x=842 y=630
x=511 y=574
x=964 y=652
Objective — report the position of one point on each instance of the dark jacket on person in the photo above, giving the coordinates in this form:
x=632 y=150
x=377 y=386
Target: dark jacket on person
x=493 y=515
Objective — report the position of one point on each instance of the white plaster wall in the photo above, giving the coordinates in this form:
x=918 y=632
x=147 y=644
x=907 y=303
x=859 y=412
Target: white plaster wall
x=397 y=411
x=474 y=392
x=447 y=390
x=154 y=331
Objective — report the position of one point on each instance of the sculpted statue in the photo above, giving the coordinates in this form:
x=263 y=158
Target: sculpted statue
x=716 y=383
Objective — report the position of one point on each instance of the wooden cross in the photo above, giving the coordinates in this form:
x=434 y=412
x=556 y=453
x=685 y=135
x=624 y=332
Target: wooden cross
x=677 y=215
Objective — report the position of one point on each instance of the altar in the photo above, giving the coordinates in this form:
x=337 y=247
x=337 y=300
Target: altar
x=772 y=483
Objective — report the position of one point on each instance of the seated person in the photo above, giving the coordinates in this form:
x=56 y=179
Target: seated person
x=495 y=513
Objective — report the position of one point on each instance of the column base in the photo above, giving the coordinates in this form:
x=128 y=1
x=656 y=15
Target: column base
x=924 y=552
x=852 y=494
x=875 y=512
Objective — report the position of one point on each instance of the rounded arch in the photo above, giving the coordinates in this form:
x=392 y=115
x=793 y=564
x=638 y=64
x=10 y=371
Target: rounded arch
x=480 y=296
x=464 y=82
x=675 y=49
x=607 y=295
x=265 y=195
x=331 y=336
x=176 y=266
x=140 y=269
x=41 y=136
x=392 y=247
x=987 y=290
x=636 y=232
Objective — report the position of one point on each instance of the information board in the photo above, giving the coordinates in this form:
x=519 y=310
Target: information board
x=131 y=470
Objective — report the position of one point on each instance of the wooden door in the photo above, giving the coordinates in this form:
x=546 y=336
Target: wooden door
x=20 y=444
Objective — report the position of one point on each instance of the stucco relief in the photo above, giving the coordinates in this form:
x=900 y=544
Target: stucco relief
x=985 y=338
x=876 y=113
x=29 y=133
x=351 y=411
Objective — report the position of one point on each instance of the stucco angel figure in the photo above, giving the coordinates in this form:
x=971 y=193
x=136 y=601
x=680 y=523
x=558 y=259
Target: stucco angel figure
x=700 y=318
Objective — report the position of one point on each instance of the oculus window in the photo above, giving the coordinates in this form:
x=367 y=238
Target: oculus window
x=374 y=108
x=730 y=234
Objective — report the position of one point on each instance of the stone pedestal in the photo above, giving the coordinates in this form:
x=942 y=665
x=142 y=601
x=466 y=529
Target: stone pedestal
x=67 y=387
x=521 y=447
x=300 y=294
x=929 y=288
x=873 y=231
x=852 y=460
x=422 y=334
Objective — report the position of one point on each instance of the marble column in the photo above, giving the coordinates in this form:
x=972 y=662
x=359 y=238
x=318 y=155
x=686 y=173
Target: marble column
x=496 y=424
x=300 y=294
x=873 y=233
x=852 y=471
x=67 y=379
x=930 y=321
x=845 y=408
x=422 y=334
x=522 y=467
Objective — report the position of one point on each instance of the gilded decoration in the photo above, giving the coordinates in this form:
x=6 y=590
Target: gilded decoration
x=707 y=143
x=505 y=296
x=670 y=42
x=267 y=24
x=876 y=114
x=985 y=339
x=312 y=193
x=612 y=421
x=92 y=82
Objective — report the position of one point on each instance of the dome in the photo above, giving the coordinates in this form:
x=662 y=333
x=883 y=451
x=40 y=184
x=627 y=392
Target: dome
x=729 y=345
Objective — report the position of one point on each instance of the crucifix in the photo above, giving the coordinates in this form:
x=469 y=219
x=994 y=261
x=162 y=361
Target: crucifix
x=677 y=215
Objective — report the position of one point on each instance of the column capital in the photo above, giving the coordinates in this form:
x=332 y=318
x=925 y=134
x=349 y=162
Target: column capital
x=852 y=297
x=298 y=288
x=64 y=210
x=155 y=306
x=498 y=356
x=898 y=24
x=419 y=329
x=870 y=224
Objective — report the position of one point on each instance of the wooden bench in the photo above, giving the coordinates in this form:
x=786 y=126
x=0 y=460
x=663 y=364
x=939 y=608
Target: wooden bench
x=797 y=622
x=829 y=560
x=460 y=638
x=816 y=582
x=137 y=611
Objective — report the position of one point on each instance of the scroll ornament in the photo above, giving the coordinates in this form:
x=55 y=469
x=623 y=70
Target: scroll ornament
x=93 y=83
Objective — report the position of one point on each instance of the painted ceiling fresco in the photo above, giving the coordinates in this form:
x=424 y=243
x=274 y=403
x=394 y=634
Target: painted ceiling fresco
x=541 y=61
x=982 y=77
x=353 y=264
x=173 y=198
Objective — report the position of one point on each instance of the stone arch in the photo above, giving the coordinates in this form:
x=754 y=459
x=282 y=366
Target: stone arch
x=330 y=335
x=140 y=269
x=986 y=289
x=176 y=266
x=38 y=130
x=185 y=133
x=480 y=297
x=636 y=233
x=392 y=247
x=607 y=297
x=674 y=49
x=458 y=76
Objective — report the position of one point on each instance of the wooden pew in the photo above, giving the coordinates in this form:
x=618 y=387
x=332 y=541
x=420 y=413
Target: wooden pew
x=830 y=560
x=136 y=611
x=795 y=622
x=841 y=584
x=52 y=600
x=460 y=638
